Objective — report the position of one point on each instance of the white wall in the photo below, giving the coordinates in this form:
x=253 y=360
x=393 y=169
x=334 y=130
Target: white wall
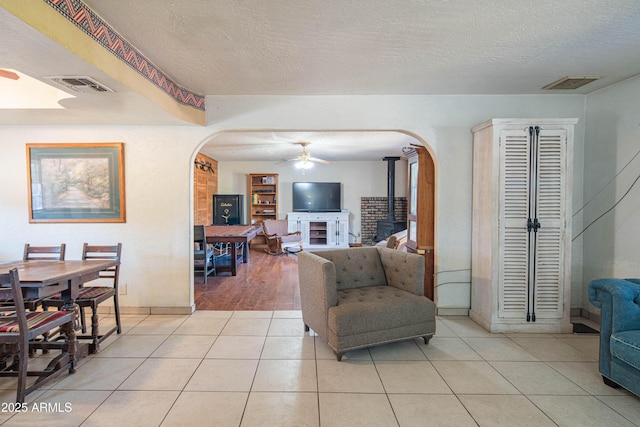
x=156 y=242
x=612 y=139
x=359 y=179
x=158 y=169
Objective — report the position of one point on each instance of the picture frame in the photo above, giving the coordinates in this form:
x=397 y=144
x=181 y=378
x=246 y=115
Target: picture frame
x=76 y=182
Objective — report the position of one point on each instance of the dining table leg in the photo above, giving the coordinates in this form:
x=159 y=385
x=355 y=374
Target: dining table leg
x=70 y=328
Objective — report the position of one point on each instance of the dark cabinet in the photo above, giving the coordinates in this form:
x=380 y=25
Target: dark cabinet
x=228 y=209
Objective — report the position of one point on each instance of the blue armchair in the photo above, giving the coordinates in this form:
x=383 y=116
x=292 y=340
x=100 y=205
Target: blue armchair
x=619 y=301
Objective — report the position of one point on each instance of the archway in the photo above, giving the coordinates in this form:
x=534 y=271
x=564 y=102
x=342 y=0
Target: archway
x=228 y=148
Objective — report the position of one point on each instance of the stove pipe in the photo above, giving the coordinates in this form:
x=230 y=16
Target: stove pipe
x=391 y=186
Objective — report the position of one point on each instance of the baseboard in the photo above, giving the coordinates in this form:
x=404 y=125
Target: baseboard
x=595 y=317
x=142 y=311
x=452 y=311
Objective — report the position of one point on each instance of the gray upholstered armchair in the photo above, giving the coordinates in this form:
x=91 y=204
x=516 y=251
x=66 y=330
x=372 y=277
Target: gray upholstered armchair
x=619 y=301
x=360 y=297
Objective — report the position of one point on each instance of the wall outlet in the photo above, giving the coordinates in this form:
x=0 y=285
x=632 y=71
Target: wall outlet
x=122 y=288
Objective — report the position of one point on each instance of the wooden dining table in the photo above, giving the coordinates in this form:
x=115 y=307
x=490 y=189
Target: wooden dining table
x=234 y=235
x=41 y=279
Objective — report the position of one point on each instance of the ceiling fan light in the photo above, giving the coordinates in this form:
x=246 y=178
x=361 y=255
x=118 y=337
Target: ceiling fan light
x=304 y=165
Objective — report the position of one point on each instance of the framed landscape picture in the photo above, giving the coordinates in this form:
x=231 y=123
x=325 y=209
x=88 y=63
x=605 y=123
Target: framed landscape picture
x=81 y=182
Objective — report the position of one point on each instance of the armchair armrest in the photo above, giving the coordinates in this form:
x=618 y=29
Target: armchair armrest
x=318 y=290
x=403 y=270
x=619 y=300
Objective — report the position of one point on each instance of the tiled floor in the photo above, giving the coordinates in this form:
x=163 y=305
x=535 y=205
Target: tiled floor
x=257 y=368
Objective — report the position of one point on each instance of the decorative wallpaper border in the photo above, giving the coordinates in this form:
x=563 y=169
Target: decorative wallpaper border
x=85 y=19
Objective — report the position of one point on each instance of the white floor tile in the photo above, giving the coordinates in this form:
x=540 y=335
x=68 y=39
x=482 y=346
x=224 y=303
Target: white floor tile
x=355 y=376
x=261 y=369
x=161 y=374
x=286 y=328
x=352 y=409
x=133 y=408
x=418 y=410
x=246 y=326
x=537 y=378
x=223 y=375
x=286 y=375
x=197 y=409
x=60 y=408
x=236 y=347
x=283 y=348
x=449 y=349
x=100 y=374
x=552 y=349
x=501 y=410
x=471 y=377
x=282 y=410
x=184 y=347
x=411 y=377
x=499 y=349
x=587 y=376
x=584 y=411
x=401 y=350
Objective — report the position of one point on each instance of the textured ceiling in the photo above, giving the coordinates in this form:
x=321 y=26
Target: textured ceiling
x=325 y=47
x=258 y=47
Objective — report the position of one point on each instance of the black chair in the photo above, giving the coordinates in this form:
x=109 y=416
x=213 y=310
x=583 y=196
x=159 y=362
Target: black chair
x=18 y=332
x=203 y=257
x=92 y=296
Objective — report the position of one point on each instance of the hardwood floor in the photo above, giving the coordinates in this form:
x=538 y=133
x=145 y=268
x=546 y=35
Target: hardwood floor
x=267 y=282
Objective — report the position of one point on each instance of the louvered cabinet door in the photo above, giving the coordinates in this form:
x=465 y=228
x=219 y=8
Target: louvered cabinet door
x=532 y=263
x=551 y=237
x=514 y=213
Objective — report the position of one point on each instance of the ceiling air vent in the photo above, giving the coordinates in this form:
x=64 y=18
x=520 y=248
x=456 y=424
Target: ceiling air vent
x=82 y=84
x=570 y=83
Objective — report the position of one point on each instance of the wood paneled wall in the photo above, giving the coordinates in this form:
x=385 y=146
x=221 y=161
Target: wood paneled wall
x=205 y=185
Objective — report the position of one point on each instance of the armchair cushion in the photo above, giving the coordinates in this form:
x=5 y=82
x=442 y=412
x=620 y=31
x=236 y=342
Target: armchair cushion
x=626 y=347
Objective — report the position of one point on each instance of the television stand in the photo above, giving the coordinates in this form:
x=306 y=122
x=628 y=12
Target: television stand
x=321 y=230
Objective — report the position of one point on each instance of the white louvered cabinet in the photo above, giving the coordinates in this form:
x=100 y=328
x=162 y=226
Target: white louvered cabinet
x=521 y=235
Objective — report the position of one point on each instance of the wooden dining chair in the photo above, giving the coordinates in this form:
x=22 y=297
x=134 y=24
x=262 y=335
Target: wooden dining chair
x=53 y=253
x=203 y=256
x=19 y=330
x=92 y=296
x=50 y=253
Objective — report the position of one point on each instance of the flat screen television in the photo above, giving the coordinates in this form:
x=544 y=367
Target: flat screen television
x=316 y=197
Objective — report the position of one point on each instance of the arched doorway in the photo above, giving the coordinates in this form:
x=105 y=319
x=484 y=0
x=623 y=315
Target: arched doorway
x=357 y=158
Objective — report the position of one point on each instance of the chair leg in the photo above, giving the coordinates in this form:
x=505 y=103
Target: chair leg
x=83 y=321
x=610 y=383
x=22 y=371
x=116 y=307
x=95 y=327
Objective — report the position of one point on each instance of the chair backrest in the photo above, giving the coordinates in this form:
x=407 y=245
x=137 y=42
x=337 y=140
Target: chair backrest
x=199 y=236
x=12 y=305
x=55 y=253
x=356 y=267
x=275 y=226
x=105 y=252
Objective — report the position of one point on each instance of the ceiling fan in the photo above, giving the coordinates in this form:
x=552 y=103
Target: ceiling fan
x=9 y=74
x=304 y=158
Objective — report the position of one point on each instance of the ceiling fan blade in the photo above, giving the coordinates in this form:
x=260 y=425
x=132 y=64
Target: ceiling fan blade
x=315 y=159
x=8 y=74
